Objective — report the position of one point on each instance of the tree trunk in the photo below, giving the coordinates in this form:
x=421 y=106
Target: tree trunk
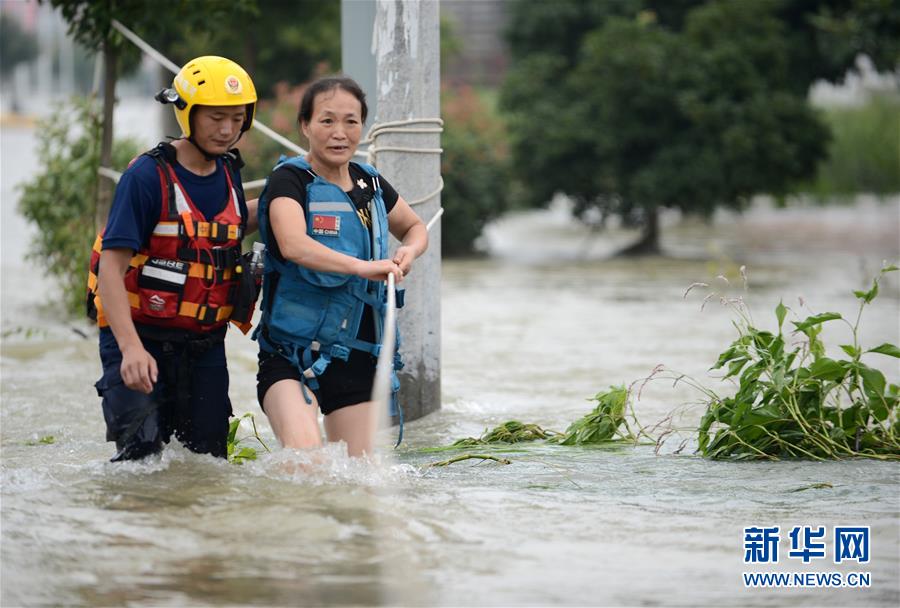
x=105 y=186
x=648 y=244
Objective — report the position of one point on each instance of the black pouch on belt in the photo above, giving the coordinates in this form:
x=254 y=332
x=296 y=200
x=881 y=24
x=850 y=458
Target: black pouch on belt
x=246 y=291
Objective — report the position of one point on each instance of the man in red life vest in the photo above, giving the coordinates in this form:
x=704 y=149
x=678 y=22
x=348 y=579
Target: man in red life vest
x=166 y=272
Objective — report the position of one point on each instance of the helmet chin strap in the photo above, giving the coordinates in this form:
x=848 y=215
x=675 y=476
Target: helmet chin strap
x=204 y=152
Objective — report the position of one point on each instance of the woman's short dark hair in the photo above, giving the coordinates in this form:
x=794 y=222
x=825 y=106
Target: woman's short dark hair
x=329 y=83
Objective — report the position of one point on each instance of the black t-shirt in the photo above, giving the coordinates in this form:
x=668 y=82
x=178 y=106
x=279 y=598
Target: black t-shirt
x=292 y=182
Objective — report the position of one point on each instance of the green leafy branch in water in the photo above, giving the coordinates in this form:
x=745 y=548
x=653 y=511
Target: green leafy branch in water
x=606 y=423
x=511 y=431
x=237 y=454
x=793 y=401
x=461 y=457
x=45 y=440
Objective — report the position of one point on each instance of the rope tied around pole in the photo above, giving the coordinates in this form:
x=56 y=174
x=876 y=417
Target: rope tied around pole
x=409 y=126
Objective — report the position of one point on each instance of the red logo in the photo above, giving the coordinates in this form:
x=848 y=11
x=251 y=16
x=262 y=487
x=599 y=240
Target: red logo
x=232 y=84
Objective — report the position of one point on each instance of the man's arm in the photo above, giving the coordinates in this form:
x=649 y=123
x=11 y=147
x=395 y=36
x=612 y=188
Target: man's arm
x=139 y=371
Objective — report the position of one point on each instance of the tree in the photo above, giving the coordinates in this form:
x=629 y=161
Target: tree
x=684 y=104
x=274 y=40
x=16 y=46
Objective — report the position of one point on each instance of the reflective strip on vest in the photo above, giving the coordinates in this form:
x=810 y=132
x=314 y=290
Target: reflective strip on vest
x=180 y=200
x=166 y=229
x=164 y=275
x=329 y=206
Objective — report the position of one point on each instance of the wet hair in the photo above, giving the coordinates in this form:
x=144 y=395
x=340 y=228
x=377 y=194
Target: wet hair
x=329 y=83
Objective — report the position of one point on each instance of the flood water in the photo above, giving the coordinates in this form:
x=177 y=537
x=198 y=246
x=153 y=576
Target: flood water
x=530 y=333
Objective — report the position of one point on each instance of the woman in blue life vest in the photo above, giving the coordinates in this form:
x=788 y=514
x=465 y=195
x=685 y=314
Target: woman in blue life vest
x=325 y=222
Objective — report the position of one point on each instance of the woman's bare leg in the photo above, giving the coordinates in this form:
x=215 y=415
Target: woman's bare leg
x=354 y=425
x=294 y=421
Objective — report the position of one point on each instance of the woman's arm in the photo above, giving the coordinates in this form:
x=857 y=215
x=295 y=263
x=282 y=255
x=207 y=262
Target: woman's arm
x=289 y=226
x=406 y=226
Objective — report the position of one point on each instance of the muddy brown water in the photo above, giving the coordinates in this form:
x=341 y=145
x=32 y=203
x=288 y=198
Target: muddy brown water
x=529 y=333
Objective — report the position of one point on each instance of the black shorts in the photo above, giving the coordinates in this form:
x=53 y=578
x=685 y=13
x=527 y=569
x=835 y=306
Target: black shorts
x=343 y=383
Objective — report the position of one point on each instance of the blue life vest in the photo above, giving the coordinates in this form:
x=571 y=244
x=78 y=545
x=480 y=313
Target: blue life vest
x=311 y=317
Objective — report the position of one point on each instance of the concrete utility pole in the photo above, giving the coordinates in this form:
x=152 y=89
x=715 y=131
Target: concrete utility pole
x=405 y=46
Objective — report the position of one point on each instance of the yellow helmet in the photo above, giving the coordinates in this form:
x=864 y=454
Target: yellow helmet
x=209 y=81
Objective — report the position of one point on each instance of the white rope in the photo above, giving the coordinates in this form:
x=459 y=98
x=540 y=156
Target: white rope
x=257 y=183
x=428 y=196
x=404 y=126
x=141 y=44
x=112 y=174
x=434 y=219
x=381 y=387
x=284 y=141
x=400 y=126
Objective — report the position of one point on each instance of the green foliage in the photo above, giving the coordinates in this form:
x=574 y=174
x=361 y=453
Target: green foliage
x=864 y=154
x=605 y=423
x=274 y=40
x=60 y=200
x=511 y=431
x=826 y=36
x=45 y=440
x=238 y=454
x=629 y=105
x=794 y=401
x=474 y=166
x=16 y=45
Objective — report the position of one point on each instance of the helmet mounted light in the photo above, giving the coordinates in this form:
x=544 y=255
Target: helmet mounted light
x=171 y=96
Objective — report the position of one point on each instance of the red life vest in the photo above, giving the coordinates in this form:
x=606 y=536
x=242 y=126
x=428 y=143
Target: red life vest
x=187 y=276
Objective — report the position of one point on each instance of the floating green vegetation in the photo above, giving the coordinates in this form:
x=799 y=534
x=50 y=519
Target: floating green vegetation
x=793 y=401
x=511 y=431
x=26 y=332
x=45 y=440
x=605 y=424
x=461 y=457
x=814 y=486
x=238 y=454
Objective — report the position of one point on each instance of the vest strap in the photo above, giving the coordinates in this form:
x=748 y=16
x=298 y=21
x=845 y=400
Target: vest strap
x=218 y=257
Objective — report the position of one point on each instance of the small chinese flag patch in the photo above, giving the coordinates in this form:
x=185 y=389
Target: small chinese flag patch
x=326 y=224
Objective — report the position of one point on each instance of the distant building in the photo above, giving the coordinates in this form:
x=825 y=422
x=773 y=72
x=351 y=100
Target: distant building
x=483 y=55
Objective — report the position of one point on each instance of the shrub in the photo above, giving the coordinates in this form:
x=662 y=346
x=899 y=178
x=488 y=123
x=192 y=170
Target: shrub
x=475 y=169
x=62 y=198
